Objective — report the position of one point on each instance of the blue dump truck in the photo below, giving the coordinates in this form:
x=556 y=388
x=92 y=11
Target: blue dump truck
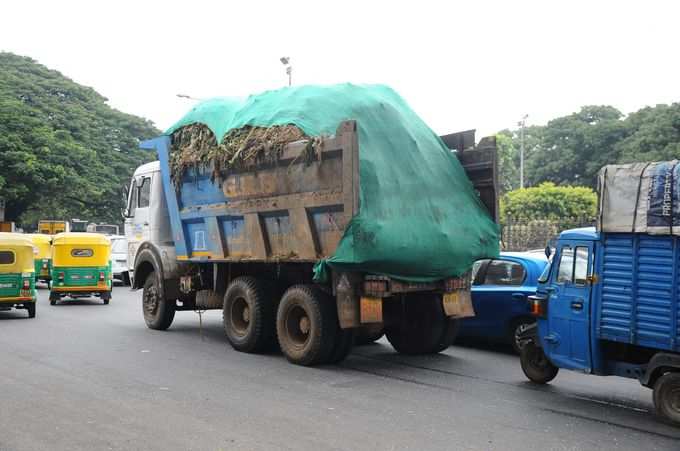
x=308 y=214
x=609 y=303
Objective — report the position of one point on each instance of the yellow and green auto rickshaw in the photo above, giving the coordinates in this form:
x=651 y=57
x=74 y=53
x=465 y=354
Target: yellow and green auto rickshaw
x=81 y=266
x=17 y=273
x=43 y=257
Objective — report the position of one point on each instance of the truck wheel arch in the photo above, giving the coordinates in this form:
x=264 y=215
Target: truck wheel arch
x=659 y=365
x=147 y=261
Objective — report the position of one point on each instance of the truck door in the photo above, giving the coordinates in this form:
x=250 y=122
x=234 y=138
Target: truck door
x=567 y=341
x=137 y=220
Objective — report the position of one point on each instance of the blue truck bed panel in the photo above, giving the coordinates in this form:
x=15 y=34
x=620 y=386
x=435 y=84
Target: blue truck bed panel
x=639 y=290
x=295 y=210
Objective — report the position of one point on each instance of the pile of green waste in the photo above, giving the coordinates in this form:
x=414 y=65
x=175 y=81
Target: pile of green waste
x=195 y=146
x=419 y=220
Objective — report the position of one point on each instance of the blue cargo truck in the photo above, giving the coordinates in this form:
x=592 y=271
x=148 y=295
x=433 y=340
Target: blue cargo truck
x=248 y=245
x=609 y=305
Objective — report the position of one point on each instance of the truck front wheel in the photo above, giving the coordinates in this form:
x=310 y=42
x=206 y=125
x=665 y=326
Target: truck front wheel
x=667 y=397
x=306 y=325
x=249 y=315
x=158 y=312
x=535 y=365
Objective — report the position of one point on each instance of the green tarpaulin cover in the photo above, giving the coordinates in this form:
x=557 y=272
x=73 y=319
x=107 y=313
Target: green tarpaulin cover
x=419 y=218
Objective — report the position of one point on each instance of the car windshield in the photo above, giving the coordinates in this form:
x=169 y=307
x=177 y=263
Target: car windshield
x=118 y=246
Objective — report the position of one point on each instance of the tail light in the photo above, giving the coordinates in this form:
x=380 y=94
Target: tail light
x=101 y=276
x=537 y=306
x=60 y=276
x=27 y=284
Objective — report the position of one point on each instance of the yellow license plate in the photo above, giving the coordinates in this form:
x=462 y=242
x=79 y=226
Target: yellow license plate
x=458 y=304
x=371 y=310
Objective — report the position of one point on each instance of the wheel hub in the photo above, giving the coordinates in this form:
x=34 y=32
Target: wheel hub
x=304 y=325
x=240 y=316
x=151 y=300
x=674 y=399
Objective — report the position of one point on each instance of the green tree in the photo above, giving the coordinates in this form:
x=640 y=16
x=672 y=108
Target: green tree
x=655 y=135
x=63 y=151
x=549 y=201
x=573 y=148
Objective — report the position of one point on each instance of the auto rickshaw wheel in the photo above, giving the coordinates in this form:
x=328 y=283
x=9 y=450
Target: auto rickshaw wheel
x=667 y=397
x=158 y=312
x=535 y=365
x=31 y=309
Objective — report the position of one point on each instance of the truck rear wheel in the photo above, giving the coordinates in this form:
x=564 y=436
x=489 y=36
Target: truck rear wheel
x=249 y=315
x=158 y=312
x=344 y=339
x=535 y=365
x=368 y=334
x=667 y=397
x=306 y=325
x=420 y=327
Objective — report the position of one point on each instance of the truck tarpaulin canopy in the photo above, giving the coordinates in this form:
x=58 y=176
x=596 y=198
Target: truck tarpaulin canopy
x=640 y=198
x=419 y=218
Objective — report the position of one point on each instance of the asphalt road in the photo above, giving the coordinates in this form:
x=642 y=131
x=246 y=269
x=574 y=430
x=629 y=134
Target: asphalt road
x=85 y=376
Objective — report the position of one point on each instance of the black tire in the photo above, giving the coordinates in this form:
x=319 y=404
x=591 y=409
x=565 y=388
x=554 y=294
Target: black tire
x=421 y=327
x=368 y=334
x=249 y=315
x=106 y=297
x=31 y=309
x=53 y=298
x=158 y=312
x=451 y=328
x=126 y=279
x=535 y=365
x=516 y=326
x=306 y=325
x=667 y=397
x=344 y=340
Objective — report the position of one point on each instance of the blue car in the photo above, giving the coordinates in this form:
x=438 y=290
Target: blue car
x=500 y=288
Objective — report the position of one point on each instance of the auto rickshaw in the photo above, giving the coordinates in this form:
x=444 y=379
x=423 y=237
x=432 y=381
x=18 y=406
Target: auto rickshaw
x=17 y=273
x=43 y=257
x=81 y=266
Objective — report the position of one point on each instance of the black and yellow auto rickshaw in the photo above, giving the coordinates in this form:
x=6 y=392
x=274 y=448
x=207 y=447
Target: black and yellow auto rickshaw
x=17 y=273
x=81 y=266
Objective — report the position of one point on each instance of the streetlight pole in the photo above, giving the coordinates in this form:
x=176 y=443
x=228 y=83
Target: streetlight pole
x=522 y=124
x=285 y=60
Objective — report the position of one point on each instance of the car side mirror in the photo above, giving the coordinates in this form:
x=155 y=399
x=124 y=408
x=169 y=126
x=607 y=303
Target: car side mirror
x=548 y=251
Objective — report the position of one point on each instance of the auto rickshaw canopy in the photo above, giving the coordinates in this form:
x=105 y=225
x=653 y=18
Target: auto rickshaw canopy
x=16 y=253
x=80 y=249
x=43 y=244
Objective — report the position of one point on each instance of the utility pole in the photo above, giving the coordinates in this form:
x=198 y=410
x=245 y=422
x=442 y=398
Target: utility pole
x=522 y=124
x=285 y=60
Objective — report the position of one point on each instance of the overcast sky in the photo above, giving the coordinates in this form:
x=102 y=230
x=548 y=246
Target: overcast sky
x=474 y=64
